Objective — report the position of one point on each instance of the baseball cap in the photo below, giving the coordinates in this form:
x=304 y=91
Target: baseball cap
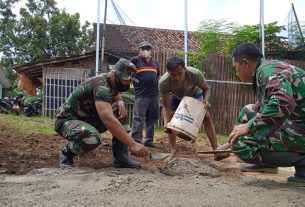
x=145 y=44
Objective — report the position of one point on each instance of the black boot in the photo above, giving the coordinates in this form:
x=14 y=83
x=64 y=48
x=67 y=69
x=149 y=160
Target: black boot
x=298 y=179
x=281 y=159
x=263 y=168
x=121 y=157
x=288 y=159
x=271 y=161
x=66 y=157
x=268 y=165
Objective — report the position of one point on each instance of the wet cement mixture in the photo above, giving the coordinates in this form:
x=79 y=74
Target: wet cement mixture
x=189 y=167
x=29 y=176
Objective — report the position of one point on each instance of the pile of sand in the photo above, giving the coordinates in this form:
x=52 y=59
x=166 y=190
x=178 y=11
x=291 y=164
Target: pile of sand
x=189 y=167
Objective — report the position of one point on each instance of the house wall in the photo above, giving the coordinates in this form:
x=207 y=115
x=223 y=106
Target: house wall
x=59 y=80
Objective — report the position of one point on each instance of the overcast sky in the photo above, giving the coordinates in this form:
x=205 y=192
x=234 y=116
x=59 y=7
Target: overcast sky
x=169 y=14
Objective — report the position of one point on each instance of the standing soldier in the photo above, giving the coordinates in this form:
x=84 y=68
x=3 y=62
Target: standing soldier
x=89 y=111
x=271 y=133
x=146 y=108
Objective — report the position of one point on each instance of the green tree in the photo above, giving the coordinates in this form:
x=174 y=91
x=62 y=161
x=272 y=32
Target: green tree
x=42 y=31
x=223 y=36
x=7 y=26
x=212 y=34
x=251 y=33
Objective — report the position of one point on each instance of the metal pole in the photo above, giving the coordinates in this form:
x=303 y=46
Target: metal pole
x=104 y=33
x=262 y=26
x=228 y=82
x=296 y=18
x=185 y=32
x=97 y=38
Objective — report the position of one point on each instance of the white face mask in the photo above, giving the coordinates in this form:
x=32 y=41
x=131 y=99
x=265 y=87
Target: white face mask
x=145 y=53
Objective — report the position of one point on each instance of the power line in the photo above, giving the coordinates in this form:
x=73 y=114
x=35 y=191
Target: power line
x=121 y=19
x=293 y=31
x=121 y=14
x=297 y=21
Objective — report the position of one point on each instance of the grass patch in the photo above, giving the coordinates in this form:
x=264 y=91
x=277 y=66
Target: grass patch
x=29 y=125
x=44 y=125
x=222 y=138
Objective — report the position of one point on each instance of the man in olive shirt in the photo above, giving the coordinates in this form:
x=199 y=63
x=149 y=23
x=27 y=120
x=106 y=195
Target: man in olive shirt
x=180 y=81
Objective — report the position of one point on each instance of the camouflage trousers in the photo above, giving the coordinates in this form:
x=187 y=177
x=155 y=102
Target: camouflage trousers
x=290 y=136
x=82 y=136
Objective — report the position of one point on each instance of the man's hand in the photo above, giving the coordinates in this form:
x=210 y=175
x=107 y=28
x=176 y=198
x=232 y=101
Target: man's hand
x=207 y=105
x=120 y=107
x=122 y=110
x=238 y=130
x=138 y=150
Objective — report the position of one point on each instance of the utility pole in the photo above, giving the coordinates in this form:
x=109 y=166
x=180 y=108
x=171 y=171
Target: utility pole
x=103 y=37
x=97 y=41
x=262 y=26
x=185 y=32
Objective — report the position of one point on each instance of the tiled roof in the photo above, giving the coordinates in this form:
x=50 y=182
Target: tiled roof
x=124 y=38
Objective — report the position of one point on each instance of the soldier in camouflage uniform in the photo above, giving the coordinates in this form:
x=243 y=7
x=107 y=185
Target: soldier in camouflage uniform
x=89 y=111
x=270 y=133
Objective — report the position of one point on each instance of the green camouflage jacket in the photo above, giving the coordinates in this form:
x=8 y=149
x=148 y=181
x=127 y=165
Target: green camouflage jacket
x=81 y=102
x=280 y=90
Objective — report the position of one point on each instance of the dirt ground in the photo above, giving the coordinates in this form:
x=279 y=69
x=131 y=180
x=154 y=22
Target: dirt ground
x=29 y=176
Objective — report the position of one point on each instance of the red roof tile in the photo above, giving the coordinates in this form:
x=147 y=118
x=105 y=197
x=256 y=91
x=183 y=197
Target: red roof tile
x=124 y=38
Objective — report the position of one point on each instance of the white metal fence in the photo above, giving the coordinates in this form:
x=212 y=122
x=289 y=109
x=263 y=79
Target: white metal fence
x=58 y=83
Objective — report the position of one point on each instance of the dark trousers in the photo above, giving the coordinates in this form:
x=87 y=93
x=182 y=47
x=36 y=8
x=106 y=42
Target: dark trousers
x=146 y=111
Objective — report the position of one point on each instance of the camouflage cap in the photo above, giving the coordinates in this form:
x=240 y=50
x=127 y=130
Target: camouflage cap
x=145 y=44
x=125 y=70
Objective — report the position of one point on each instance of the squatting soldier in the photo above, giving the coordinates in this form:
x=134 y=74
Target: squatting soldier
x=89 y=111
x=271 y=133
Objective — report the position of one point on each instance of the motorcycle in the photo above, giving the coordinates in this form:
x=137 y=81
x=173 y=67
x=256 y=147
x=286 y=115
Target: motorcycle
x=13 y=105
x=33 y=109
x=5 y=106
